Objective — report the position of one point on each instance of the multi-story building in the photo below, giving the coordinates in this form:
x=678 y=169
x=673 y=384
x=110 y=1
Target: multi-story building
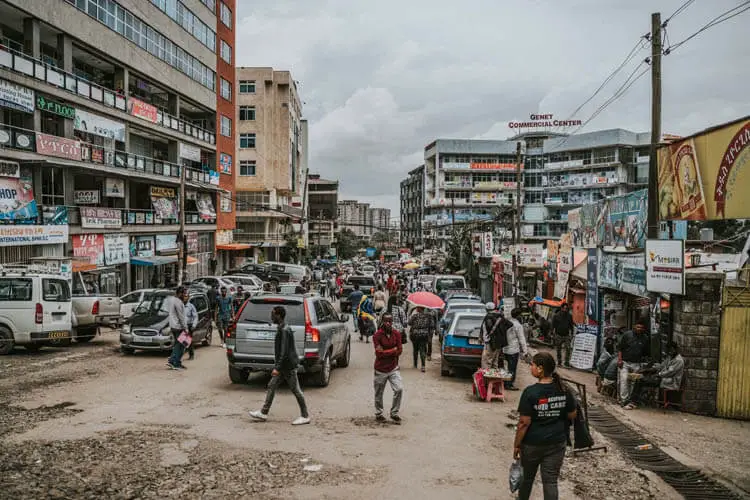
x=271 y=153
x=354 y=216
x=472 y=180
x=322 y=210
x=412 y=196
x=105 y=106
x=380 y=221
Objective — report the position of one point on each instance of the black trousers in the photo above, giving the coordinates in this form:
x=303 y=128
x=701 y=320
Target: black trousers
x=548 y=457
x=642 y=383
x=420 y=350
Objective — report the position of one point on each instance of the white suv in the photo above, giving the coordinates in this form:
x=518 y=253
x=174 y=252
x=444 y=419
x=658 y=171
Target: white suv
x=35 y=310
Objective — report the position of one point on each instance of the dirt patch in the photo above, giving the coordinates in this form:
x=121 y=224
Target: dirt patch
x=158 y=462
x=17 y=419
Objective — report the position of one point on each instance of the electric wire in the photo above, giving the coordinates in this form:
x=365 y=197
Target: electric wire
x=726 y=16
x=677 y=12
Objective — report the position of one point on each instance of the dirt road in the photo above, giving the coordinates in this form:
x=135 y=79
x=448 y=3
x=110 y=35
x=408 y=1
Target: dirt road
x=88 y=422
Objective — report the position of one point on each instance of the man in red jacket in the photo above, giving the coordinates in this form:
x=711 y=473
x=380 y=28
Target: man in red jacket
x=387 y=342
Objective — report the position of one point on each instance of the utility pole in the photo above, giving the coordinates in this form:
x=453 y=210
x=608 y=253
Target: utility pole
x=181 y=237
x=653 y=162
x=302 y=220
x=517 y=224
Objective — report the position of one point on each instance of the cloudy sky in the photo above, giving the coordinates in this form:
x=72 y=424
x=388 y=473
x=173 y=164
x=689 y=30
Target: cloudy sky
x=380 y=80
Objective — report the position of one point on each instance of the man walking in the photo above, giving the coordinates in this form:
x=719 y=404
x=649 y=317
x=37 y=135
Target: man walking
x=224 y=308
x=355 y=297
x=177 y=324
x=562 y=328
x=421 y=324
x=191 y=318
x=515 y=348
x=388 y=348
x=286 y=361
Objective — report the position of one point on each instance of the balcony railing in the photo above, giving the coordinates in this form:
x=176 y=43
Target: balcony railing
x=242 y=237
x=19 y=62
x=128 y=216
x=20 y=139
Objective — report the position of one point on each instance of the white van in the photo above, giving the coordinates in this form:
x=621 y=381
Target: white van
x=35 y=310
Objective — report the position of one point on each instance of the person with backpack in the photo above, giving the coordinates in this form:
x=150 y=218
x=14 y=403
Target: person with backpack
x=493 y=334
x=515 y=347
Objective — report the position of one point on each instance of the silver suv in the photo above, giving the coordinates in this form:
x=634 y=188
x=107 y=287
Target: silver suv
x=321 y=336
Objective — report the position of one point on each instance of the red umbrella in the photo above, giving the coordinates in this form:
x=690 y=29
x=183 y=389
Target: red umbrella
x=426 y=299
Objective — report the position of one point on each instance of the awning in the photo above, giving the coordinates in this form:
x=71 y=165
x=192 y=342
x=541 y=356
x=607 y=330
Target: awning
x=157 y=260
x=191 y=261
x=234 y=246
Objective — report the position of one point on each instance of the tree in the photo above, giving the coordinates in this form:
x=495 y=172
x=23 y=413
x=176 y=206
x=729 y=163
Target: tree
x=347 y=244
x=289 y=252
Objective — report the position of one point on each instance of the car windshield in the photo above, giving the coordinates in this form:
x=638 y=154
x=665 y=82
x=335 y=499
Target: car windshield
x=465 y=308
x=259 y=311
x=158 y=304
x=467 y=327
x=450 y=283
x=361 y=281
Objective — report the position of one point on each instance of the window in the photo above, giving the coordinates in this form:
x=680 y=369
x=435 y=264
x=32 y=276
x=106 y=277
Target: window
x=15 y=289
x=247 y=167
x=200 y=303
x=247 y=141
x=247 y=86
x=185 y=18
x=226 y=52
x=226 y=126
x=226 y=91
x=247 y=113
x=226 y=16
x=55 y=290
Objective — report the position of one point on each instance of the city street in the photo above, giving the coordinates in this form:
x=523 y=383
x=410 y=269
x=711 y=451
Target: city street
x=87 y=421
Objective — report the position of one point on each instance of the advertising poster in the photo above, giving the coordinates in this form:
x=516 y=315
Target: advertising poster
x=16 y=97
x=189 y=152
x=143 y=110
x=166 y=243
x=584 y=224
x=17 y=204
x=592 y=285
x=665 y=266
x=14 y=235
x=89 y=248
x=55 y=214
x=705 y=177
x=624 y=221
x=142 y=246
x=552 y=251
x=564 y=267
x=584 y=347
x=100 y=218
x=192 y=242
x=205 y=206
x=225 y=164
x=213 y=177
x=530 y=254
x=99 y=125
x=116 y=249
x=164 y=202
x=623 y=272
x=114 y=188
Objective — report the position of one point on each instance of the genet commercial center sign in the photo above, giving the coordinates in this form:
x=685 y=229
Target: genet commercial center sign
x=544 y=121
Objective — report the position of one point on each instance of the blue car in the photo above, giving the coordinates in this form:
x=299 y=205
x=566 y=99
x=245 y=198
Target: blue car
x=462 y=345
x=453 y=307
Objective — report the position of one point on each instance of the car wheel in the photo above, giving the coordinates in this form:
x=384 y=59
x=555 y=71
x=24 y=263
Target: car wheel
x=209 y=336
x=445 y=369
x=127 y=350
x=237 y=375
x=343 y=362
x=323 y=377
x=6 y=341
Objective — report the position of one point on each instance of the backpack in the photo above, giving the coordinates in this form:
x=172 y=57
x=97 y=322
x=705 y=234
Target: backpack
x=499 y=332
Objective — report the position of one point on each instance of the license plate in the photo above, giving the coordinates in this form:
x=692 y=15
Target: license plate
x=58 y=335
x=262 y=335
x=474 y=342
x=145 y=340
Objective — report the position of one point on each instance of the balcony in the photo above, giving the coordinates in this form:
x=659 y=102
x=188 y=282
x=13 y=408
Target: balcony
x=260 y=239
x=128 y=217
x=22 y=64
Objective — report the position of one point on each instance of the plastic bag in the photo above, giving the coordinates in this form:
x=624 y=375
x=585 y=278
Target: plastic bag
x=515 y=476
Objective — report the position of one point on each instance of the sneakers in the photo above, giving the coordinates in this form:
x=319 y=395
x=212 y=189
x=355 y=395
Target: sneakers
x=258 y=415
x=380 y=418
x=174 y=367
x=191 y=357
x=423 y=369
x=301 y=421
x=396 y=419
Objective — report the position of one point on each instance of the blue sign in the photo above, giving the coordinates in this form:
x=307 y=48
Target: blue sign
x=371 y=252
x=213 y=177
x=592 y=287
x=679 y=230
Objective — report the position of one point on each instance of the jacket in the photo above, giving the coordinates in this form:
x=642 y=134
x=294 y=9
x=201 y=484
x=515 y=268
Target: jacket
x=516 y=339
x=671 y=373
x=176 y=313
x=284 y=350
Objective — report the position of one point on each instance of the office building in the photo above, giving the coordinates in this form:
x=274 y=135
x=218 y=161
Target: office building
x=354 y=216
x=412 y=205
x=105 y=105
x=322 y=211
x=380 y=221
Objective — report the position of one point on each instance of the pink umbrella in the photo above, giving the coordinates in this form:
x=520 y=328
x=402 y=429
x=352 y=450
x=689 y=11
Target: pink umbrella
x=426 y=299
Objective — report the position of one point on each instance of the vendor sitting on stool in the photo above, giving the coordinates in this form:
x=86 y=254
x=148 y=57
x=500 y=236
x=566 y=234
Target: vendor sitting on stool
x=606 y=367
x=668 y=376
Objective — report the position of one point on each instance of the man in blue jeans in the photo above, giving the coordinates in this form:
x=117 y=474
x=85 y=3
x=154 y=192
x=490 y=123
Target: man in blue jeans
x=516 y=347
x=225 y=310
x=177 y=324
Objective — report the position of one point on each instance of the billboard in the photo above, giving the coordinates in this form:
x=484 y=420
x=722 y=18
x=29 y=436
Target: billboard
x=624 y=221
x=665 y=266
x=17 y=203
x=623 y=272
x=584 y=225
x=702 y=177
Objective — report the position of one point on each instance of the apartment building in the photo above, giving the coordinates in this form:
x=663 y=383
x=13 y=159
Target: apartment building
x=322 y=211
x=105 y=105
x=271 y=155
x=380 y=221
x=354 y=216
x=412 y=196
x=472 y=180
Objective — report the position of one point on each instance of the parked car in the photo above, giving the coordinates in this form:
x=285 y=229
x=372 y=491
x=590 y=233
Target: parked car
x=218 y=282
x=427 y=281
x=262 y=271
x=321 y=335
x=454 y=307
x=366 y=285
x=92 y=309
x=130 y=301
x=461 y=345
x=35 y=310
x=288 y=288
x=295 y=272
x=148 y=328
x=251 y=285
x=449 y=282
x=463 y=295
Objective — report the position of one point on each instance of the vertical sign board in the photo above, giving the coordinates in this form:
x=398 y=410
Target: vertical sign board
x=584 y=347
x=592 y=285
x=665 y=266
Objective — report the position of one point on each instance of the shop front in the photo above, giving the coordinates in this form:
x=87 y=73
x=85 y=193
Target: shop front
x=102 y=260
x=152 y=268
x=230 y=254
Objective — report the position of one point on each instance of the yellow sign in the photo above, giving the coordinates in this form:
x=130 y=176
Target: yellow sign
x=300 y=243
x=706 y=176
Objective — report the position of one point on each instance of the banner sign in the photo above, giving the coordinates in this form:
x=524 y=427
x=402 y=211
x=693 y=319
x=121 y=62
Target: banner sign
x=189 y=152
x=192 y=242
x=585 y=224
x=702 y=177
x=116 y=249
x=625 y=220
x=14 y=235
x=114 y=188
x=165 y=208
x=86 y=197
x=213 y=177
x=206 y=207
x=552 y=250
x=665 y=266
x=584 y=347
x=507 y=167
x=225 y=164
x=166 y=243
x=10 y=169
x=101 y=218
x=143 y=110
x=530 y=254
x=592 y=286
x=162 y=192
x=142 y=246
x=60 y=147
x=564 y=267
x=17 y=203
x=55 y=214
x=56 y=108
x=16 y=97
x=623 y=272
x=89 y=248
x=99 y=125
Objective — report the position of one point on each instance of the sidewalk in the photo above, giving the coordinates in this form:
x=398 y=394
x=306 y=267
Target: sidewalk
x=716 y=446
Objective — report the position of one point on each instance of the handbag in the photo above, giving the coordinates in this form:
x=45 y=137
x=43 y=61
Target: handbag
x=185 y=339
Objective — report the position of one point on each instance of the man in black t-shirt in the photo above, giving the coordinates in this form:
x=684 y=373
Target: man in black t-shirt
x=562 y=328
x=633 y=350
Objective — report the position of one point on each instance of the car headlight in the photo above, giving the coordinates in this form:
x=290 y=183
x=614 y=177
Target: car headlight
x=126 y=328
x=166 y=331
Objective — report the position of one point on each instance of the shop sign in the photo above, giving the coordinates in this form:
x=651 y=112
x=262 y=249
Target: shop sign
x=552 y=259
x=59 y=147
x=213 y=177
x=17 y=201
x=494 y=166
x=16 y=97
x=702 y=177
x=225 y=163
x=14 y=235
x=584 y=347
x=99 y=125
x=143 y=110
x=56 y=108
x=166 y=243
x=224 y=237
x=89 y=248
x=665 y=266
x=592 y=286
x=100 y=218
x=565 y=266
x=116 y=249
x=623 y=272
x=142 y=246
x=192 y=242
x=162 y=192
x=10 y=169
x=206 y=207
x=114 y=188
x=86 y=197
x=530 y=254
x=189 y=152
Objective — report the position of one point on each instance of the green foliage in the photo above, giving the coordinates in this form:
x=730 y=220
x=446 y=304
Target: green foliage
x=347 y=244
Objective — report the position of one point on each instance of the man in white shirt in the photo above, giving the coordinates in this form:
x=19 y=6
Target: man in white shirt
x=515 y=348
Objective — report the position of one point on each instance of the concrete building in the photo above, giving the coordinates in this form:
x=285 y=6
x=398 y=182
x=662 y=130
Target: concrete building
x=271 y=152
x=412 y=206
x=354 y=216
x=380 y=221
x=322 y=211
x=470 y=180
x=103 y=106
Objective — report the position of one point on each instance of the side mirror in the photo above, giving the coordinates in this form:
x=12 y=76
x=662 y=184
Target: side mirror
x=344 y=318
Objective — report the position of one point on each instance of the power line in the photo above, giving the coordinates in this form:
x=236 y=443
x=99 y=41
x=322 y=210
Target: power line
x=677 y=12
x=726 y=16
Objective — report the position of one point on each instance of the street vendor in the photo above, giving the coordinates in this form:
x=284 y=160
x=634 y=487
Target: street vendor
x=666 y=375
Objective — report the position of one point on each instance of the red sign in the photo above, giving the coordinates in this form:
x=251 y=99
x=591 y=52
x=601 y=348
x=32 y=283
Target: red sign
x=142 y=110
x=494 y=166
x=60 y=147
x=89 y=248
